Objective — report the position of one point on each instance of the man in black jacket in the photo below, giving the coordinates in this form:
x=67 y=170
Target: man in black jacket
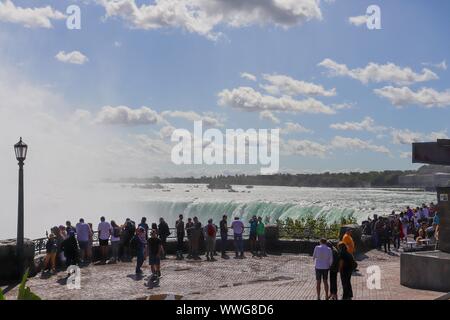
x=179 y=226
x=164 y=232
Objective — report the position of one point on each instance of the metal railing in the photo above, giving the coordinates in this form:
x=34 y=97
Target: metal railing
x=40 y=243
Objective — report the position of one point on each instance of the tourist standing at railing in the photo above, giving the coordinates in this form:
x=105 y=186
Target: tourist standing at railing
x=128 y=231
x=196 y=235
x=144 y=225
x=386 y=234
x=59 y=239
x=261 y=234
x=238 y=230
x=70 y=248
x=252 y=237
x=405 y=222
x=396 y=232
x=179 y=227
x=189 y=229
x=51 y=251
x=210 y=233
x=104 y=232
x=115 y=241
x=69 y=228
x=163 y=232
x=140 y=246
x=83 y=232
x=90 y=242
x=224 y=236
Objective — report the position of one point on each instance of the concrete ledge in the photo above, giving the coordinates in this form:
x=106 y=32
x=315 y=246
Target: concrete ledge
x=429 y=270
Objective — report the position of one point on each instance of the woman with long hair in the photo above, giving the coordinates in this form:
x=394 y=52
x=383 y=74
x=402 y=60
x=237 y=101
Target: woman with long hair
x=346 y=266
x=115 y=241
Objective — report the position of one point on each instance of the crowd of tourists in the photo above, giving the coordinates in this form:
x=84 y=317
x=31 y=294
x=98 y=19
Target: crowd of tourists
x=420 y=224
x=70 y=245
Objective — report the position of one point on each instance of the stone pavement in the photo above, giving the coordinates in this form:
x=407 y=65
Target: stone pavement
x=275 y=277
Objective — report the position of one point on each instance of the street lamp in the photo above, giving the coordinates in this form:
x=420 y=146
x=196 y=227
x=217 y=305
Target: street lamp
x=21 y=153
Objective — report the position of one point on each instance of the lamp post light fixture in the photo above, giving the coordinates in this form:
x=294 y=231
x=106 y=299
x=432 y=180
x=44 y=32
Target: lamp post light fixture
x=21 y=153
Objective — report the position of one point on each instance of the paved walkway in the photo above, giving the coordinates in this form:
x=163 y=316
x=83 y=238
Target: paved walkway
x=275 y=277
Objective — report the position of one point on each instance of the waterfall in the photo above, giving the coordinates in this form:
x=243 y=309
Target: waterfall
x=269 y=211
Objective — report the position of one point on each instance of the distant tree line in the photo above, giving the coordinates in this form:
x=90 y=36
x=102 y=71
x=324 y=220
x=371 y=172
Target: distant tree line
x=388 y=178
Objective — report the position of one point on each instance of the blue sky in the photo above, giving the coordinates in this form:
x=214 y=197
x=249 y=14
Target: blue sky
x=172 y=68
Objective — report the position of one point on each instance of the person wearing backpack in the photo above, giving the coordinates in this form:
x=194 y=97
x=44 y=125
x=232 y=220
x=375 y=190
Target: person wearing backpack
x=210 y=232
x=115 y=241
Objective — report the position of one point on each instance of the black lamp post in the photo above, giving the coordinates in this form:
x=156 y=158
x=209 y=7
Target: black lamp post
x=21 y=153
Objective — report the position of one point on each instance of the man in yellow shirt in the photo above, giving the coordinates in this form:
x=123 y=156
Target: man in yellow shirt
x=349 y=243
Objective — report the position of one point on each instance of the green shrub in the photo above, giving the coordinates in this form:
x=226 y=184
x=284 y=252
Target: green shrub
x=312 y=228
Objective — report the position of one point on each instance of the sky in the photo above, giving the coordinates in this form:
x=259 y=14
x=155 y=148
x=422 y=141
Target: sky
x=102 y=101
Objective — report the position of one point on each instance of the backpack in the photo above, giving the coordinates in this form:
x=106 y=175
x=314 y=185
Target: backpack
x=211 y=230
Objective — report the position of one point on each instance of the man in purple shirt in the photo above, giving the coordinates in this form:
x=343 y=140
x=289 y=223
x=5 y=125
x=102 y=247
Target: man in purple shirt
x=83 y=233
x=238 y=229
x=323 y=257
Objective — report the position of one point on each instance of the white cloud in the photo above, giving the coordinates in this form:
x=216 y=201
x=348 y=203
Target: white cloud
x=29 y=17
x=166 y=132
x=342 y=106
x=74 y=57
x=406 y=136
x=433 y=136
x=367 y=124
x=204 y=16
x=406 y=155
x=285 y=85
x=266 y=114
x=117 y=44
x=291 y=127
x=426 y=97
x=442 y=65
x=123 y=115
x=153 y=145
x=248 y=76
x=304 y=148
x=210 y=120
x=339 y=142
x=377 y=73
x=247 y=99
x=358 y=20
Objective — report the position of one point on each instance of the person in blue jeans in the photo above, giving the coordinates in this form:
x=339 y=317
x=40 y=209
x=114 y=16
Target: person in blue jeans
x=238 y=230
x=140 y=244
